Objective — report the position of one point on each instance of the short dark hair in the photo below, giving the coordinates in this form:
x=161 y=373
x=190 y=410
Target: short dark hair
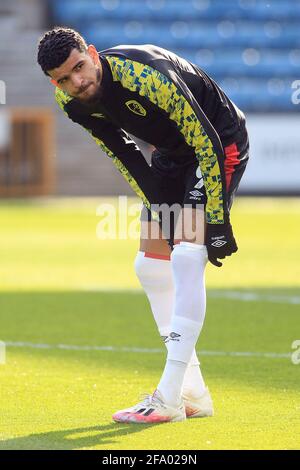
x=56 y=45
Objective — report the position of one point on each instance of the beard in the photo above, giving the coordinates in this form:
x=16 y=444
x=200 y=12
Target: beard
x=97 y=95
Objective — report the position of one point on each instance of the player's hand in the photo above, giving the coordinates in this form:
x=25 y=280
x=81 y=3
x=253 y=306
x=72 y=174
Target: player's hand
x=220 y=242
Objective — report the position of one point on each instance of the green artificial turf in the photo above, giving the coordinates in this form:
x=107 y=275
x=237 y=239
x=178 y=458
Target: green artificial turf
x=82 y=343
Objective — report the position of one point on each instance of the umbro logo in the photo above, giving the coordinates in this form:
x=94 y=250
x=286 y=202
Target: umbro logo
x=219 y=243
x=196 y=193
x=136 y=107
x=97 y=115
x=174 y=336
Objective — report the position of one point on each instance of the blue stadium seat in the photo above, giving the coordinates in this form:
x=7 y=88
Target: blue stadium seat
x=195 y=34
x=249 y=93
x=76 y=10
x=247 y=62
x=252 y=45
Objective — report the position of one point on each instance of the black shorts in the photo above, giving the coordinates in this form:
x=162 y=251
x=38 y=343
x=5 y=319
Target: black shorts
x=184 y=184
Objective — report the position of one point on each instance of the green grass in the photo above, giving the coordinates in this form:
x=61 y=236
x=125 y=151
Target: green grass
x=59 y=284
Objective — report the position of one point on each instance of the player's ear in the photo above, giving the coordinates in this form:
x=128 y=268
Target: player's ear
x=92 y=51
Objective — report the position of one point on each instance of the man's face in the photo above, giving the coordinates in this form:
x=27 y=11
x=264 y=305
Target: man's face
x=80 y=75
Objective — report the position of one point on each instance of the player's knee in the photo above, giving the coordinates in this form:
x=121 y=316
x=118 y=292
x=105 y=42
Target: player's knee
x=153 y=272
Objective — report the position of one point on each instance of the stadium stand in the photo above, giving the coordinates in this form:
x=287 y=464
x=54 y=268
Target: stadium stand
x=251 y=47
x=81 y=167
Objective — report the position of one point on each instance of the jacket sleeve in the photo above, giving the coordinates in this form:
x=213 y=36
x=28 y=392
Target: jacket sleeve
x=169 y=92
x=118 y=145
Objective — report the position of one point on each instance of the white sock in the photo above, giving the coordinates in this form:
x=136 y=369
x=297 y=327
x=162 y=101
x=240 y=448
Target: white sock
x=193 y=384
x=155 y=276
x=182 y=340
x=188 y=265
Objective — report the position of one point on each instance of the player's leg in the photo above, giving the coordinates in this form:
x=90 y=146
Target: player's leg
x=166 y=403
x=152 y=263
x=189 y=242
x=188 y=259
x=154 y=270
x=155 y=273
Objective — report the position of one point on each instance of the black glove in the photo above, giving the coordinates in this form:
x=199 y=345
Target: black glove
x=220 y=242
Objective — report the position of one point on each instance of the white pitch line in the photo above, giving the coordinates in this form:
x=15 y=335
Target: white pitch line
x=119 y=349
x=214 y=294
x=254 y=297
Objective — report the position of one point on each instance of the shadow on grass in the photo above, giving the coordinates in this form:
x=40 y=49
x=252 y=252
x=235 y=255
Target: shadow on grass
x=68 y=439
